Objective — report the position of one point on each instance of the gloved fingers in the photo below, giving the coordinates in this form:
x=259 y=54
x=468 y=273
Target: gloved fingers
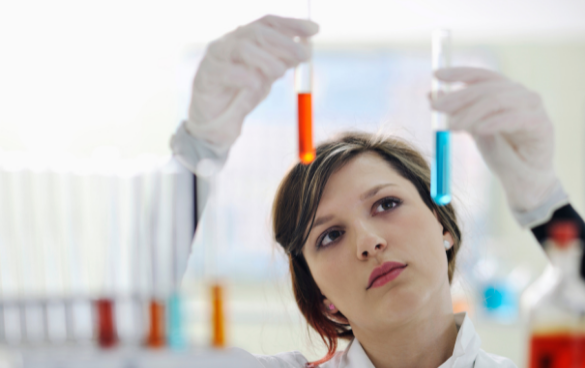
x=249 y=99
x=452 y=102
x=290 y=26
x=510 y=122
x=498 y=153
x=467 y=75
x=253 y=56
x=220 y=75
x=470 y=117
x=278 y=43
x=275 y=43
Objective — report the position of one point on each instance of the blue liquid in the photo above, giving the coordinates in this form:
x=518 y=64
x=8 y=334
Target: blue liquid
x=500 y=302
x=441 y=169
x=176 y=340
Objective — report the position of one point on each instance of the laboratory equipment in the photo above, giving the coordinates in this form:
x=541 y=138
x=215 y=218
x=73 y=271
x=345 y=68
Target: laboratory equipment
x=304 y=90
x=176 y=338
x=556 y=303
x=106 y=323
x=85 y=262
x=108 y=274
x=156 y=334
x=441 y=165
x=158 y=240
x=87 y=357
x=218 y=338
x=212 y=270
x=179 y=254
x=109 y=293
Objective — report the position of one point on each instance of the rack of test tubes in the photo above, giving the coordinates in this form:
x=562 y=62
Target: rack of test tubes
x=92 y=253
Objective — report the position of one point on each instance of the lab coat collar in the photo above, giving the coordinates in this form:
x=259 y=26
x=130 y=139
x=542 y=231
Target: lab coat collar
x=466 y=348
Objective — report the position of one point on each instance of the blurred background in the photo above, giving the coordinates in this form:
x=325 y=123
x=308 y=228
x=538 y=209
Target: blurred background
x=85 y=82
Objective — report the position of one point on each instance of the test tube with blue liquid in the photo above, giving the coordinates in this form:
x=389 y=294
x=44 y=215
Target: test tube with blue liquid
x=441 y=165
x=175 y=320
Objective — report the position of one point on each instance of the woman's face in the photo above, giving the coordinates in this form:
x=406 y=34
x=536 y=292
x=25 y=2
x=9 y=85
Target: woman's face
x=370 y=215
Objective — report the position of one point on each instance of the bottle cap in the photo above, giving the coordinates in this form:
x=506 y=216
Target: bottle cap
x=563 y=232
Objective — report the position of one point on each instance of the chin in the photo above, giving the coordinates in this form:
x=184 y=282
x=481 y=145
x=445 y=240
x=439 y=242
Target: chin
x=404 y=305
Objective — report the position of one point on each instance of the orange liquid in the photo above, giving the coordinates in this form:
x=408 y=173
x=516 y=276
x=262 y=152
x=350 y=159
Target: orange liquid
x=217 y=317
x=305 y=117
x=557 y=351
x=156 y=333
x=106 y=325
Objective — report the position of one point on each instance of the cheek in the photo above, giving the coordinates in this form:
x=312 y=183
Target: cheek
x=333 y=272
x=423 y=236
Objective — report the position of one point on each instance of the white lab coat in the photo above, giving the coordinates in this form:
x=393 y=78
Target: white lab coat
x=466 y=354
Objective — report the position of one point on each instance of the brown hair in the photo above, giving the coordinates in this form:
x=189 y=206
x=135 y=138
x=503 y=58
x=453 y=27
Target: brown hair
x=297 y=200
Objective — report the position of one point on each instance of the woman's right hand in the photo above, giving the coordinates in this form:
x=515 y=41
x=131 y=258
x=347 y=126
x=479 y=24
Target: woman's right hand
x=237 y=72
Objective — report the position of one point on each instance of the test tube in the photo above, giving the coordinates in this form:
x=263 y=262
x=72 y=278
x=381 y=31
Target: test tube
x=441 y=165
x=81 y=217
x=304 y=89
x=175 y=337
x=212 y=272
x=106 y=329
x=107 y=193
x=130 y=307
x=156 y=331
x=218 y=339
x=156 y=308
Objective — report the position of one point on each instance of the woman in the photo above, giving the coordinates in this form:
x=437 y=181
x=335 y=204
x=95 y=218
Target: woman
x=371 y=255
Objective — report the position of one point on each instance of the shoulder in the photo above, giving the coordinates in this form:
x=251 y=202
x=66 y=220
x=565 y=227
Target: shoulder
x=292 y=359
x=487 y=360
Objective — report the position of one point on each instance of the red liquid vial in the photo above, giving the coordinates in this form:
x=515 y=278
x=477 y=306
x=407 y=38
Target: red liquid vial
x=557 y=350
x=556 y=302
x=218 y=339
x=156 y=333
x=305 y=118
x=106 y=329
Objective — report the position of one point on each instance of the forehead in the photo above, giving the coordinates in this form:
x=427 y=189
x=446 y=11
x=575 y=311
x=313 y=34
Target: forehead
x=360 y=174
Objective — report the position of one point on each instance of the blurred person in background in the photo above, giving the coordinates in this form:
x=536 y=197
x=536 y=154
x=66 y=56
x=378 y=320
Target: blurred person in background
x=371 y=256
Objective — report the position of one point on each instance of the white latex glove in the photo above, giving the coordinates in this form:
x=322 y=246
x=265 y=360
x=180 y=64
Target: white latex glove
x=513 y=134
x=237 y=72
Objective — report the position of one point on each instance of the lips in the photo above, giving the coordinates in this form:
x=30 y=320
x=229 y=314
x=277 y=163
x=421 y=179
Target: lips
x=388 y=271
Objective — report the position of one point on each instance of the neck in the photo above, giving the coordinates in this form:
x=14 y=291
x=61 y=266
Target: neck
x=426 y=341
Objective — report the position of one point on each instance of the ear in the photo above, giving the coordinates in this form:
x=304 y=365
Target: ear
x=448 y=237
x=328 y=307
x=446 y=234
x=334 y=314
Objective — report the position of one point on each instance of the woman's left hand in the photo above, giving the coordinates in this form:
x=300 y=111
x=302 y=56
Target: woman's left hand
x=511 y=129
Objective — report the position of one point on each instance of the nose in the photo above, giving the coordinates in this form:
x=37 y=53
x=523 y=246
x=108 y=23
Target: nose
x=369 y=243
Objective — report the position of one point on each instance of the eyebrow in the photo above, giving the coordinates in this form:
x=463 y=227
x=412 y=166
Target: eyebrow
x=322 y=220
x=370 y=193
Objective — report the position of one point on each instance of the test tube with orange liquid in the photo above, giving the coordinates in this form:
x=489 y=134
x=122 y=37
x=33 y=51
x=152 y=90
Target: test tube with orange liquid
x=218 y=338
x=156 y=333
x=304 y=89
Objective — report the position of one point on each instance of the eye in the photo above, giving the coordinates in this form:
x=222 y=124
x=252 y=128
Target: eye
x=386 y=204
x=329 y=237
